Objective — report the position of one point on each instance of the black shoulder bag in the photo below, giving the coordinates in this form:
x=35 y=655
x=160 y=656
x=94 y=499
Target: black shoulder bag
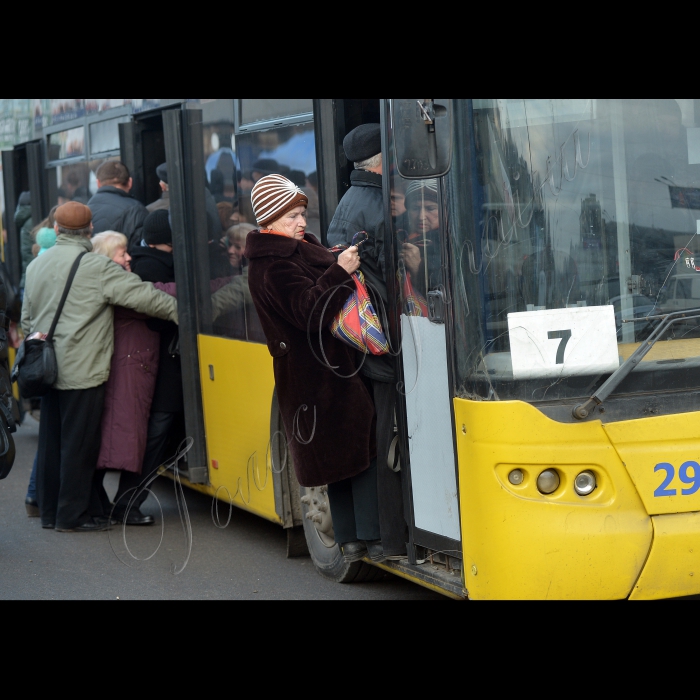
x=35 y=369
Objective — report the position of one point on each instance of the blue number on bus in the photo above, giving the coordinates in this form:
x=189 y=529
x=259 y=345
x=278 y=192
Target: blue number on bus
x=670 y=471
x=694 y=480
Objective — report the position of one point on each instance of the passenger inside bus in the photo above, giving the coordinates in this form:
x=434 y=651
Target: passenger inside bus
x=163 y=202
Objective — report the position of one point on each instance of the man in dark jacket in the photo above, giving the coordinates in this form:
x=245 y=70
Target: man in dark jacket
x=154 y=263
x=362 y=209
x=113 y=208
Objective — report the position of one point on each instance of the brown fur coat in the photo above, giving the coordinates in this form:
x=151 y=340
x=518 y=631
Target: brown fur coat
x=329 y=420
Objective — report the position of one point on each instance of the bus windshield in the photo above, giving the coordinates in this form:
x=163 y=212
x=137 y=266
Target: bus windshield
x=573 y=225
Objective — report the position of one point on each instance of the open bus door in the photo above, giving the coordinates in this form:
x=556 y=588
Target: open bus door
x=142 y=149
x=229 y=374
x=422 y=293
x=23 y=171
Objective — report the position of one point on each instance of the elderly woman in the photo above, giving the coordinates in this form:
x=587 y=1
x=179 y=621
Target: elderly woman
x=129 y=389
x=298 y=286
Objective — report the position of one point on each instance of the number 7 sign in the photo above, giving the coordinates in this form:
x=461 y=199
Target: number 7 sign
x=563 y=342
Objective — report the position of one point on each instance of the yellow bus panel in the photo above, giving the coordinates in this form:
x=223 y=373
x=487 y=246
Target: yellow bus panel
x=673 y=567
x=237 y=387
x=662 y=456
x=519 y=543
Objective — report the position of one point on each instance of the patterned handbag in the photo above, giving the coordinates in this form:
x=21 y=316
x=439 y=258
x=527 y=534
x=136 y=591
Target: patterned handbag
x=357 y=324
x=415 y=303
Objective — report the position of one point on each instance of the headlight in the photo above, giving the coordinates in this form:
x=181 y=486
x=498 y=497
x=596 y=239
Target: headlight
x=584 y=483
x=548 y=481
x=516 y=477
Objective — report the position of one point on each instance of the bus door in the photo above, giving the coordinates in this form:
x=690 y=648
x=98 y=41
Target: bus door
x=142 y=148
x=23 y=179
x=216 y=150
x=414 y=213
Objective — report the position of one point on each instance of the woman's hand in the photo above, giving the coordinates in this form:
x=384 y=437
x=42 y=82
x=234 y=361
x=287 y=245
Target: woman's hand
x=411 y=257
x=349 y=259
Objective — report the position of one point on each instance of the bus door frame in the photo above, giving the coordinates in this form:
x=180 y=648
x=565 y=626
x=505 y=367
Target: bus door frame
x=416 y=536
x=25 y=160
x=182 y=130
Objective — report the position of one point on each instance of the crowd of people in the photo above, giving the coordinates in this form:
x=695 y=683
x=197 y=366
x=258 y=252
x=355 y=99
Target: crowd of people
x=119 y=389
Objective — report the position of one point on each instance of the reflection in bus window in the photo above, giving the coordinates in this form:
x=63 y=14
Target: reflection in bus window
x=232 y=165
x=577 y=203
x=416 y=218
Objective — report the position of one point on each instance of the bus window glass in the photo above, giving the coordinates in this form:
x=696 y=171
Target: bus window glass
x=67 y=144
x=576 y=205
x=267 y=110
x=234 y=164
x=104 y=135
x=75 y=181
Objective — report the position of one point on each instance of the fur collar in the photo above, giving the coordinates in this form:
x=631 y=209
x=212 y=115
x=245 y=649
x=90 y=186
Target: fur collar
x=263 y=245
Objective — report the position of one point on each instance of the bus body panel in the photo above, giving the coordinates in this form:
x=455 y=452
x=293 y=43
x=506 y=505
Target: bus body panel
x=673 y=566
x=521 y=544
x=237 y=404
x=662 y=456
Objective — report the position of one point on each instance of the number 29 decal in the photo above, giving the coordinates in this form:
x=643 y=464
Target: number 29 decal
x=693 y=480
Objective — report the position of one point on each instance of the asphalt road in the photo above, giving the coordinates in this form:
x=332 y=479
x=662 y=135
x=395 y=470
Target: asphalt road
x=245 y=561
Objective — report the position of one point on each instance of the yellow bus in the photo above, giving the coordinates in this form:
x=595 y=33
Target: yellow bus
x=547 y=391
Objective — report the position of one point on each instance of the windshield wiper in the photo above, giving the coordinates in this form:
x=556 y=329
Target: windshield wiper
x=583 y=410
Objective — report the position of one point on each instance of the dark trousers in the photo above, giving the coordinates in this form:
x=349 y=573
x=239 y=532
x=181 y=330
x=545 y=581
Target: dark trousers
x=159 y=425
x=69 y=443
x=354 y=506
x=394 y=532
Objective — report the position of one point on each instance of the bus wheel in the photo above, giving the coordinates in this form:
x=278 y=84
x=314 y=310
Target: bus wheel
x=325 y=553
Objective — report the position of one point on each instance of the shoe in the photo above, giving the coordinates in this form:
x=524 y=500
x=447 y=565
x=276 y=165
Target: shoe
x=48 y=526
x=375 y=550
x=91 y=525
x=135 y=517
x=32 y=507
x=354 y=551
x=105 y=520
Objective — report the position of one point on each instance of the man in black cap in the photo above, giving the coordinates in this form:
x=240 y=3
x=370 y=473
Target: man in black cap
x=164 y=201
x=214 y=227
x=362 y=209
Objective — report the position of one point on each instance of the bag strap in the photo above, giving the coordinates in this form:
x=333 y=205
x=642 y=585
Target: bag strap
x=69 y=282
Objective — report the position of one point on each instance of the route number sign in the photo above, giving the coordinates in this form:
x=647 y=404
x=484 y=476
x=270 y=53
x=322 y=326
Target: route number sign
x=563 y=342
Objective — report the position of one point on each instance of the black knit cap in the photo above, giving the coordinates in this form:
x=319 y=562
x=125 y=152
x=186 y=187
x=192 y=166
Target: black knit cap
x=363 y=142
x=162 y=172
x=156 y=228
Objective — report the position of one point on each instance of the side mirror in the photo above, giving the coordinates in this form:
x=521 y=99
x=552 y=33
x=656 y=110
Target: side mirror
x=422 y=137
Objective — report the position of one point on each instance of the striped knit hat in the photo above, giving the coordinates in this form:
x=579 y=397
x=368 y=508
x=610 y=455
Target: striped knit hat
x=273 y=196
x=427 y=189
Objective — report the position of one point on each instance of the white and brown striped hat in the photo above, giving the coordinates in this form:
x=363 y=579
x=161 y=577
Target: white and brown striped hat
x=273 y=196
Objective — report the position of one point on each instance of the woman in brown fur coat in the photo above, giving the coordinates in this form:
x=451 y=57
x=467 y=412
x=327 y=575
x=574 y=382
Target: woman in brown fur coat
x=298 y=287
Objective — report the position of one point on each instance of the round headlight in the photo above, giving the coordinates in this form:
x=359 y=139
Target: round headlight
x=584 y=483
x=516 y=477
x=548 y=481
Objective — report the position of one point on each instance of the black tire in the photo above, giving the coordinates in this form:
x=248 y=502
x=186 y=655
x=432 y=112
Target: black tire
x=328 y=560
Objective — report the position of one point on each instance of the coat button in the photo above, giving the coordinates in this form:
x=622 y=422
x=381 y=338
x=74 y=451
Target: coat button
x=283 y=346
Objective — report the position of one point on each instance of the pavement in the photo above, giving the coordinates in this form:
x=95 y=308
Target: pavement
x=246 y=560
